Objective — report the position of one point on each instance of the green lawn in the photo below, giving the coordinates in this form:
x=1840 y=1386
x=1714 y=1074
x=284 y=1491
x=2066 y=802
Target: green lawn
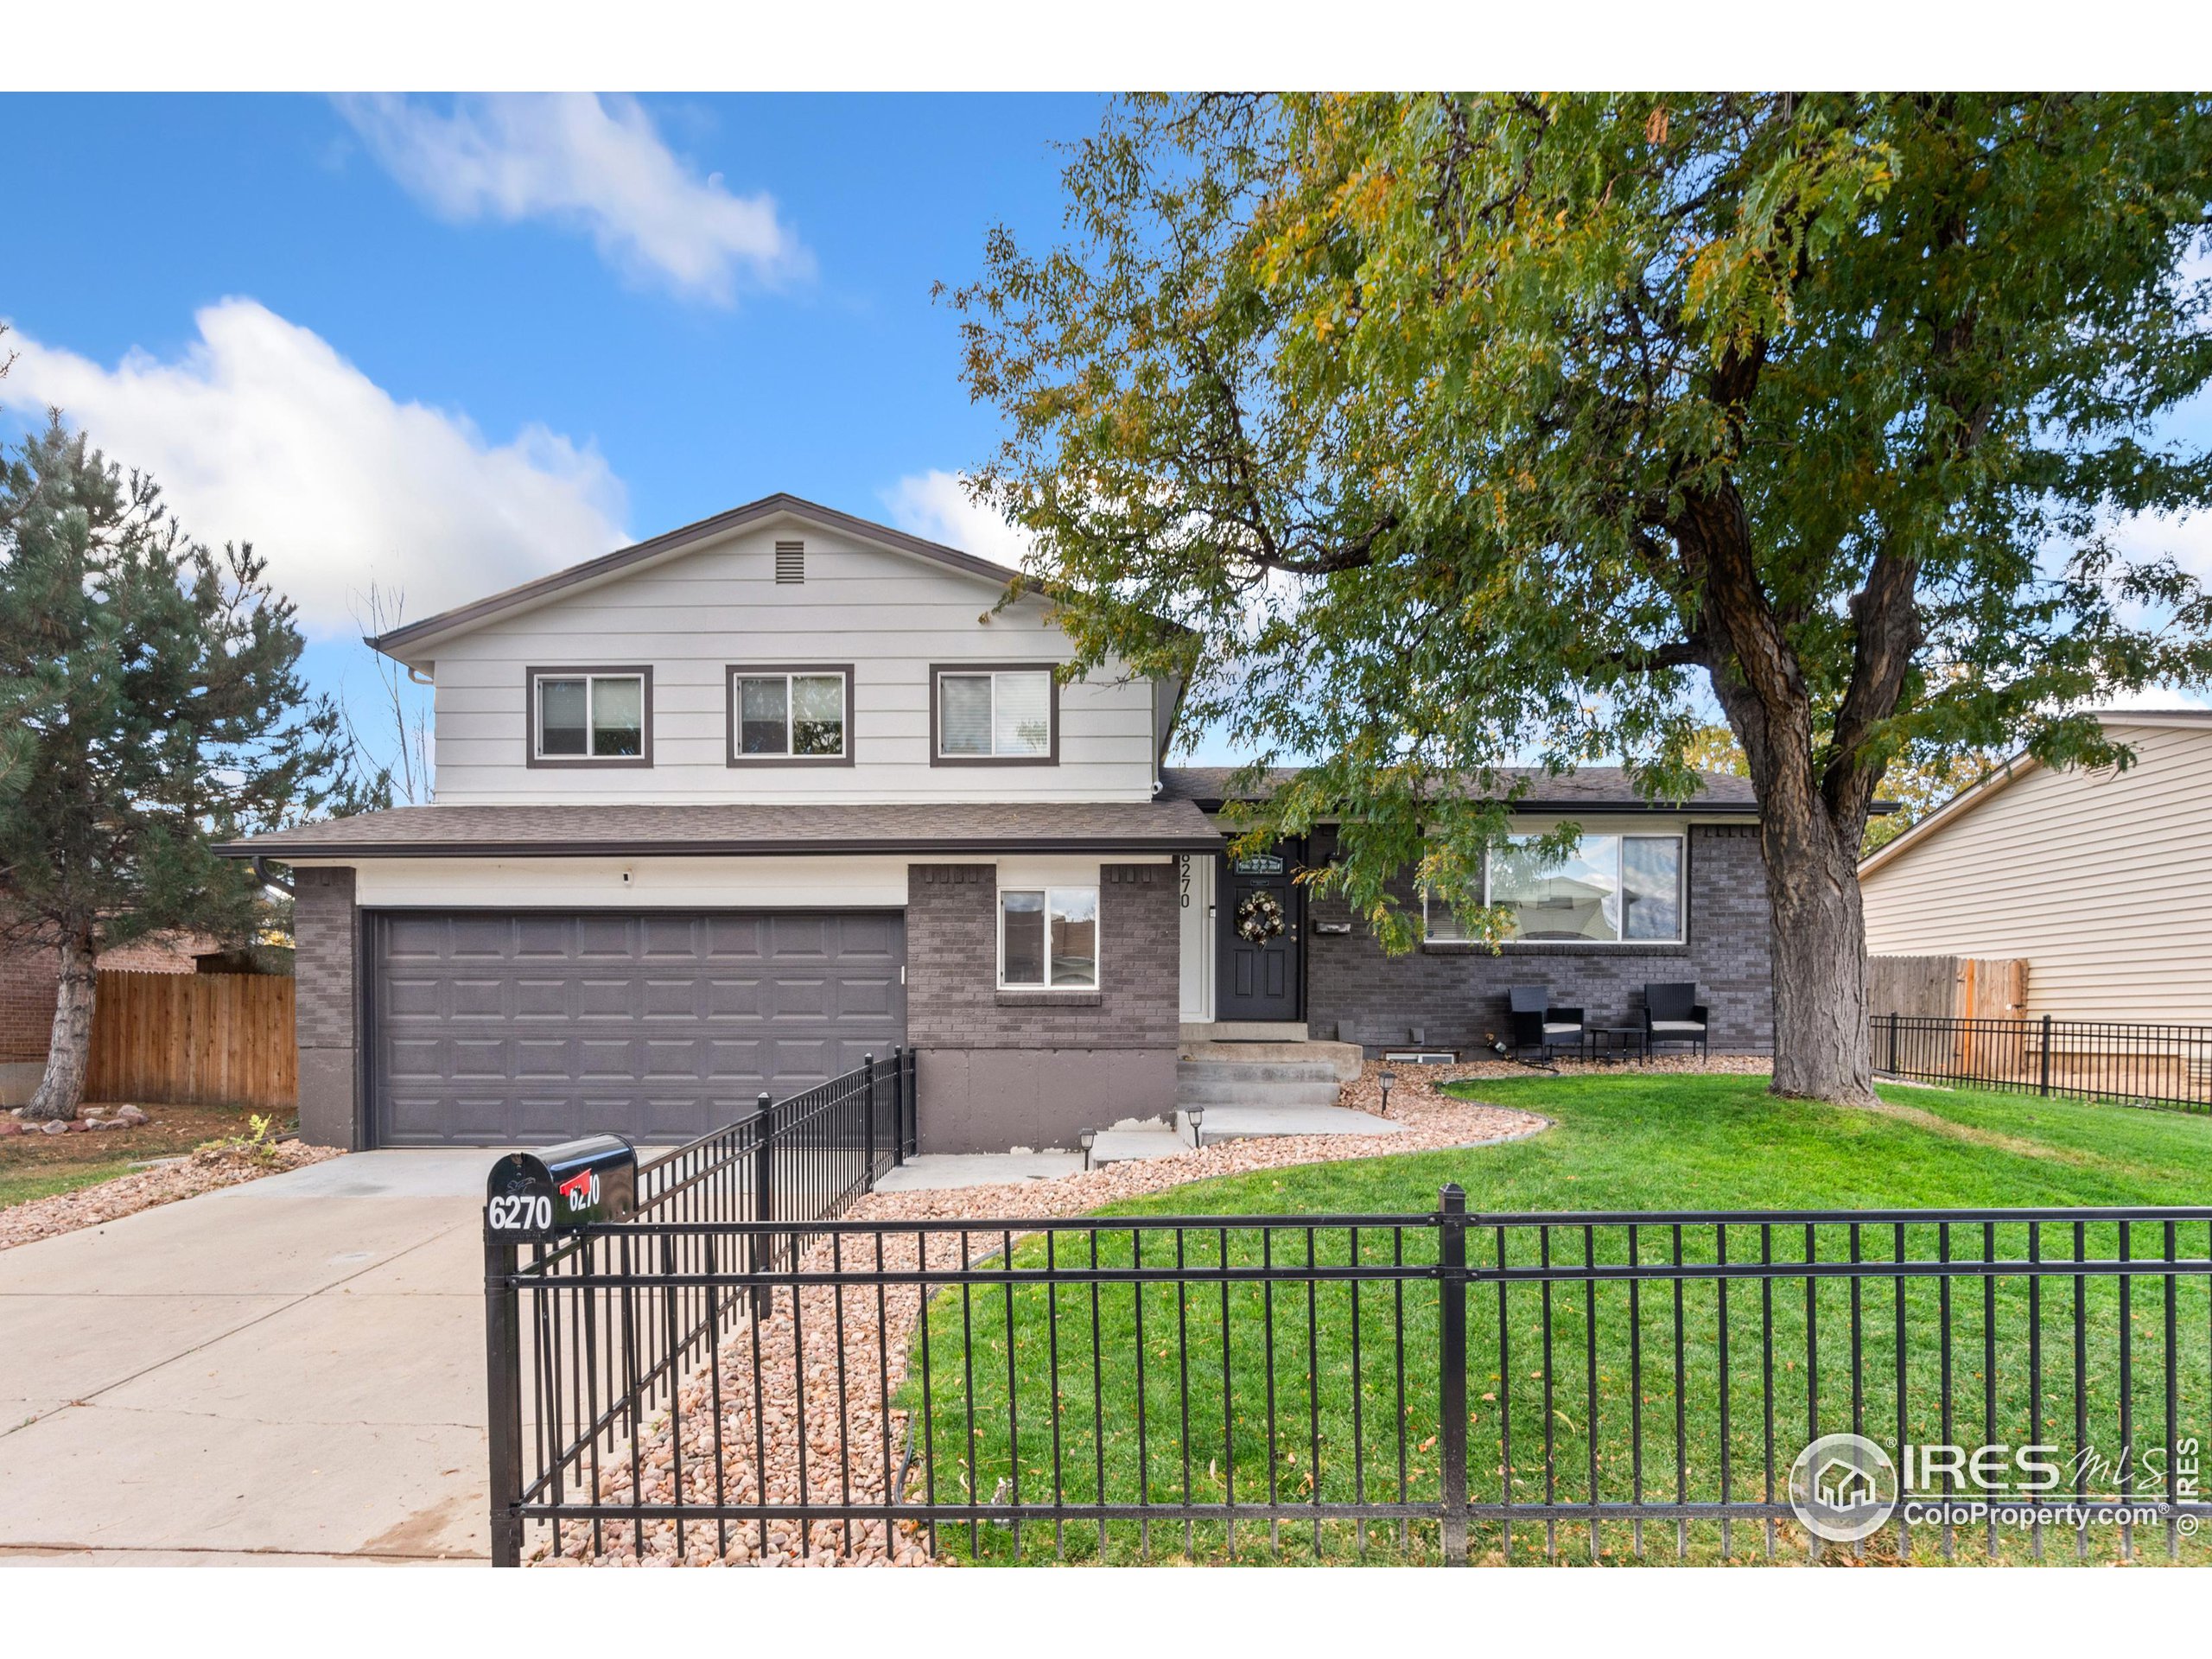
x=1212 y=1393
x=21 y=1186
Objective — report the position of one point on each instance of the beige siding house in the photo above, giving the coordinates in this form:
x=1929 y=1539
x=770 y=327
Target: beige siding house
x=2100 y=880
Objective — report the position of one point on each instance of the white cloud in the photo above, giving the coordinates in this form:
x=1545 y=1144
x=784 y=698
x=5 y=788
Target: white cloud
x=579 y=159
x=936 y=504
x=2155 y=697
x=262 y=432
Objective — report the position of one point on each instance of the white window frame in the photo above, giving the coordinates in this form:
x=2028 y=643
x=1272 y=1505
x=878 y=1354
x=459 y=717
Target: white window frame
x=841 y=672
x=1621 y=838
x=1098 y=932
x=993 y=672
x=591 y=677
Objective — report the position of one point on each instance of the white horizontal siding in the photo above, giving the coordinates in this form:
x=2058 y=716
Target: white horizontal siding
x=2102 y=881
x=889 y=614
x=874 y=882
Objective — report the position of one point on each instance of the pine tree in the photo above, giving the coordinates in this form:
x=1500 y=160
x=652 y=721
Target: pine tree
x=149 y=706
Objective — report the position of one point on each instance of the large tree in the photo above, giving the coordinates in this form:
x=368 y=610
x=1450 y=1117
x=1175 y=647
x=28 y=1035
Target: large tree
x=151 y=705
x=1427 y=432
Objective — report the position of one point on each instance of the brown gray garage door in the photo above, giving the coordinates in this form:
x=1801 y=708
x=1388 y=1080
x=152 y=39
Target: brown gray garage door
x=525 y=1028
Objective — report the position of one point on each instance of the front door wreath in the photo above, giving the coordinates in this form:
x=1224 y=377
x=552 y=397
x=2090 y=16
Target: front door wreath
x=1260 y=917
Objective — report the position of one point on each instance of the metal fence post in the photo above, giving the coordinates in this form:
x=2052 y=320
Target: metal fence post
x=2046 y=1054
x=502 y=1379
x=1452 y=1243
x=763 y=1200
x=867 y=1114
x=1893 y=1043
x=898 y=1064
x=907 y=1071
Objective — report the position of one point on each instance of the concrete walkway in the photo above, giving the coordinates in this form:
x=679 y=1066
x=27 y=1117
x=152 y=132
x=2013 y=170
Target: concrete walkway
x=292 y=1369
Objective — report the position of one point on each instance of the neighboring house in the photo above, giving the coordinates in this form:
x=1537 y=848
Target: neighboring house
x=29 y=978
x=721 y=813
x=2100 y=880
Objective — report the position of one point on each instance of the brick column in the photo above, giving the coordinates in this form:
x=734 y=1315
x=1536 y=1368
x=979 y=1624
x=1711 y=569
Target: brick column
x=326 y=934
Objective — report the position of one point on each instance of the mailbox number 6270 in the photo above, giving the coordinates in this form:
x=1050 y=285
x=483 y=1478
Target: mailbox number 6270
x=525 y=1212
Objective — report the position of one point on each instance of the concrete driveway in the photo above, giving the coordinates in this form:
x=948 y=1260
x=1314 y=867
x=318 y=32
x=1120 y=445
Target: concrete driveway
x=292 y=1369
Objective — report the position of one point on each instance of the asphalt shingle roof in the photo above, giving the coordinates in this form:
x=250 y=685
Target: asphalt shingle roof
x=621 y=828
x=1585 y=788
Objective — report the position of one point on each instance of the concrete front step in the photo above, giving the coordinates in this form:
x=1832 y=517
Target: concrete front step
x=1203 y=1091
x=1249 y=1122
x=1343 y=1058
x=1252 y=1071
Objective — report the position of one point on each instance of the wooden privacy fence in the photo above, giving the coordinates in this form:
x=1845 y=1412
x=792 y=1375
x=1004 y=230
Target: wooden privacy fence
x=214 y=1040
x=1949 y=988
x=1962 y=990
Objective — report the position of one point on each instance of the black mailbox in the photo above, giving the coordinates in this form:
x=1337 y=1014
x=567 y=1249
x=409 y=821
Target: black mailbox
x=530 y=1194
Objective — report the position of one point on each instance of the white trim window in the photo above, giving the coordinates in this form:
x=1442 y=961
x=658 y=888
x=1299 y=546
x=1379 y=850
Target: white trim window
x=788 y=715
x=588 y=716
x=1612 y=889
x=1048 y=939
x=1002 y=714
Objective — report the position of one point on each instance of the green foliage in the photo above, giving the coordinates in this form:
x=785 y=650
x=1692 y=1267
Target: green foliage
x=149 y=706
x=1423 y=433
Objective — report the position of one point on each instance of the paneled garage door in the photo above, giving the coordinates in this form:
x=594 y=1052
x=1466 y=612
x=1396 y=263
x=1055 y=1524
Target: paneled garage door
x=495 y=1028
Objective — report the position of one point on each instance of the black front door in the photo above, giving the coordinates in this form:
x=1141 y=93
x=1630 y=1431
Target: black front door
x=1260 y=922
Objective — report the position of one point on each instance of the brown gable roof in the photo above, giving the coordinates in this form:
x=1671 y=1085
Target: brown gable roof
x=397 y=641
x=1586 y=788
x=628 y=830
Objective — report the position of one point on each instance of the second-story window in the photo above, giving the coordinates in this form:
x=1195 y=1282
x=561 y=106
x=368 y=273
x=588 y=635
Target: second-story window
x=787 y=716
x=996 y=714
x=579 y=715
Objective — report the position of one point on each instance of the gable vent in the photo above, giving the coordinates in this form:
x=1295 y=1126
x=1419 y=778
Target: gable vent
x=791 y=561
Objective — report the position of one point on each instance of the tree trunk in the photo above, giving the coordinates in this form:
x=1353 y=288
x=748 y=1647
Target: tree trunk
x=69 y=1049
x=1823 y=1048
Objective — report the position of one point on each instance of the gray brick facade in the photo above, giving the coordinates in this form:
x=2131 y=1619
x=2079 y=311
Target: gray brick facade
x=1455 y=995
x=326 y=931
x=1029 y=1068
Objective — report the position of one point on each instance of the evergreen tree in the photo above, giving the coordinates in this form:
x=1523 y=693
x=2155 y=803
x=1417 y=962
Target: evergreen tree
x=149 y=706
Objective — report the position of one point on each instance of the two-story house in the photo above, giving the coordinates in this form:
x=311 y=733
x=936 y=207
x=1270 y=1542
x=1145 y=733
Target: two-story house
x=721 y=812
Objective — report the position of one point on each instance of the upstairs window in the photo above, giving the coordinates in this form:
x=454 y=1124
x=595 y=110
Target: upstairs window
x=787 y=715
x=579 y=717
x=1048 y=939
x=1005 y=715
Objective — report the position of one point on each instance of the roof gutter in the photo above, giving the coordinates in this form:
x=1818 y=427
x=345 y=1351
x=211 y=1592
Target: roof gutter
x=780 y=849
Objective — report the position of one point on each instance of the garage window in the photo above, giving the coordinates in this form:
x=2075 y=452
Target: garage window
x=597 y=716
x=1048 y=939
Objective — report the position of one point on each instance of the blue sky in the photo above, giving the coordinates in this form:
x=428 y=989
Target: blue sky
x=445 y=345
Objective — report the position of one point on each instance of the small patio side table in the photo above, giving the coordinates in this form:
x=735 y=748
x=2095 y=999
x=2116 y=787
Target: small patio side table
x=1618 y=1043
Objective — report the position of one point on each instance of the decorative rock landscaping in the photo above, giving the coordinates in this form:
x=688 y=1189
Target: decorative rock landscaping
x=225 y=1164
x=853 y=1449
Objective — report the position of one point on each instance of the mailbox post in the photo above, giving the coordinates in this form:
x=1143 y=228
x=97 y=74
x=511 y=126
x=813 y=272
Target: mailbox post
x=529 y=1196
x=764 y=1200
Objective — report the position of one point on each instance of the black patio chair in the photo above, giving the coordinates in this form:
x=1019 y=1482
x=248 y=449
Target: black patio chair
x=1534 y=1023
x=1673 y=1015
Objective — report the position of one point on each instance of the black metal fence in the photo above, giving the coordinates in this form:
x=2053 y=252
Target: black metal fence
x=574 y=1371
x=2096 y=1060
x=1439 y=1387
